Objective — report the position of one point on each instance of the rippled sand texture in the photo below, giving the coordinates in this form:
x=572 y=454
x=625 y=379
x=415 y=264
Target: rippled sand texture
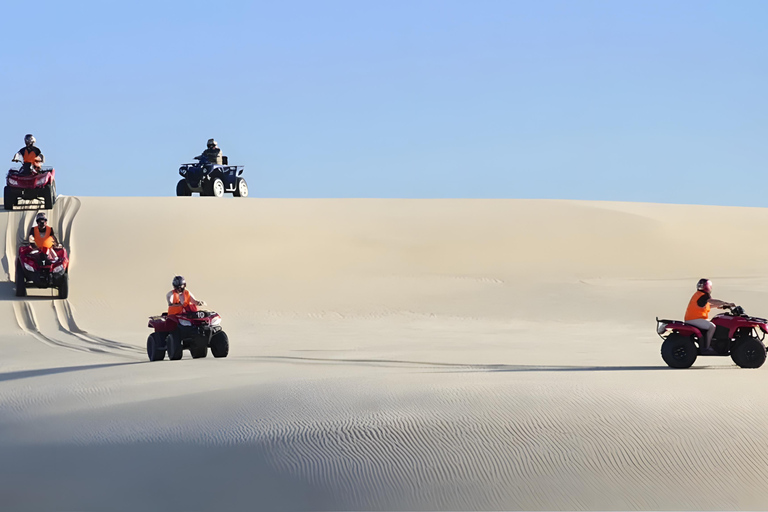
x=386 y=354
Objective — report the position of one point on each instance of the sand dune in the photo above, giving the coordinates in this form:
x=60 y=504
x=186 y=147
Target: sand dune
x=385 y=354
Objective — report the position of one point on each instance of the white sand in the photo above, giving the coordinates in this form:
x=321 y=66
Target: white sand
x=385 y=354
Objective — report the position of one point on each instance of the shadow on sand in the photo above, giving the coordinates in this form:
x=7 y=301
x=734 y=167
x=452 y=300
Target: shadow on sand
x=455 y=367
x=8 y=292
x=25 y=374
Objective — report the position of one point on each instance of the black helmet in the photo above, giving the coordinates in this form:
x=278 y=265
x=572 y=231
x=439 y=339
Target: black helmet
x=212 y=144
x=41 y=217
x=179 y=283
x=702 y=283
x=29 y=139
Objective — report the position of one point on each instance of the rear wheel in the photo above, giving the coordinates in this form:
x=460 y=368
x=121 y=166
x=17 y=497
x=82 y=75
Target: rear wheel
x=9 y=198
x=748 y=352
x=21 y=283
x=175 y=348
x=241 y=188
x=49 y=193
x=678 y=351
x=182 y=188
x=64 y=286
x=220 y=344
x=155 y=347
x=199 y=352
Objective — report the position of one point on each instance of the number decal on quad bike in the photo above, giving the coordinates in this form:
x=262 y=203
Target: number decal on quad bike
x=200 y=314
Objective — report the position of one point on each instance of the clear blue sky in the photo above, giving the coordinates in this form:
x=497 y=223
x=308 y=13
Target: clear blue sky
x=658 y=101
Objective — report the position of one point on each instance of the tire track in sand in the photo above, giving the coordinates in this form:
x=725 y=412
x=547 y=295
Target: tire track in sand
x=53 y=322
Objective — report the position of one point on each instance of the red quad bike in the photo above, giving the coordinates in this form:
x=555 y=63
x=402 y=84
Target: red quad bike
x=192 y=330
x=27 y=183
x=736 y=335
x=37 y=268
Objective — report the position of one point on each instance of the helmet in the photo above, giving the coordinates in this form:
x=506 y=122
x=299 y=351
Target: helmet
x=212 y=143
x=41 y=217
x=179 y=283
x=703 y=282
x=29 y=139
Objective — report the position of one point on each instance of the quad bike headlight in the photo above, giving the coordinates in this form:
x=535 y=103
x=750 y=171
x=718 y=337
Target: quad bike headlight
x=29 y=267
x=216 y=321
x=13 y=182
x=183 y=171
x=57 y=269
x=39 y=182
x=185 y=323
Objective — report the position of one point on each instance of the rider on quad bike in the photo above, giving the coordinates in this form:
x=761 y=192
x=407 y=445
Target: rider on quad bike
x=697 y=313
x=43 y=237
x=30 y=155
x=180 y=298
x=213 y=154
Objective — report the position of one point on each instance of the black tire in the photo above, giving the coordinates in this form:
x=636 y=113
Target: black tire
x=48 y=195
x=9 y=198
x=175 y=348
x=678 y=351
x=64 y=286
x=156 y=347
x=748 y=352
x=241 y=188
x=220 y=344
x=182 y=188
x=198 y=353
x=21 y=283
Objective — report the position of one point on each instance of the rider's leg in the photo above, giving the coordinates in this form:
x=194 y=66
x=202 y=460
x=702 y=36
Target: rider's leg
x=708 y=327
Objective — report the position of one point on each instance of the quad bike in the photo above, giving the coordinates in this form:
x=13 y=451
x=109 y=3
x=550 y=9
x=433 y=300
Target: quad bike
x=210 y=179
x=194 y=330
x=30 y=182
x=42 y=269
x=736 y=334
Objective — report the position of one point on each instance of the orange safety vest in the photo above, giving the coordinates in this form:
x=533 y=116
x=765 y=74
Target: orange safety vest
x=177 y=307
x=30 y=157
x=695 y=311
x=46 y=241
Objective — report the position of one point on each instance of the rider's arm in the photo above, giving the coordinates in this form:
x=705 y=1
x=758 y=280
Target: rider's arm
x=31 y=237
x=16 y=158
x=719 y=303
x=169 y=297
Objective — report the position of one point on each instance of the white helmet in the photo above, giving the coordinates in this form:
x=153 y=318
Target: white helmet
x=29 y=139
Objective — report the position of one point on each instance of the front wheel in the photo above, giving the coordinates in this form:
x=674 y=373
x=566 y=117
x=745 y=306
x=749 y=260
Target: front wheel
x=64 y=286
x=21 y=283
x=748 y=352
x=182 y=188
x=199 y=352
x=155 y=347
x=175 y=348
x=678 y=351
x=216 y=188
x=220 y=344
x=241 y=188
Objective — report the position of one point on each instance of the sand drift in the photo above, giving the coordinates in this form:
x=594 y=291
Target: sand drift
x=384 y=354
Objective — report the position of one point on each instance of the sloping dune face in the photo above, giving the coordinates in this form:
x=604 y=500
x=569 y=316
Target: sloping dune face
x=385 y=354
